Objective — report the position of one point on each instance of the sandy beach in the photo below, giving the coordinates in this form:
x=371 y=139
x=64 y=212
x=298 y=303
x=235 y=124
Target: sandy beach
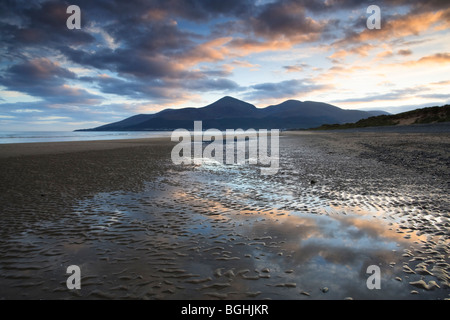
x=140 y=227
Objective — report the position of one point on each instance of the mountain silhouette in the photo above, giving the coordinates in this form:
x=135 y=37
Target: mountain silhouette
x=231 y=113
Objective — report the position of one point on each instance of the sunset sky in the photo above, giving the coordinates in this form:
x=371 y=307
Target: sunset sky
x=139 y=56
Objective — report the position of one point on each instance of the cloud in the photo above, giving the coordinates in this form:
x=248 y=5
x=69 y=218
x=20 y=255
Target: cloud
x=46 y=79
x=26 y=110
x=51 y=118
x=209 y=84
x=210 y=51
x=440 y=58
x=162 y=91
x=245 y=64
x=247 y=46
x=398 y=94
x=41 y=69
x=286 y=19
x=283 y=90
x=295 y=68
x=361 y=50
x=444 y=96
x=126 y=62
x=198 y=10
x=35 y=23
x=441 y=83
x=437 y=58
x=404 y=52
x=155 y=57
x=385 y=54
x=398 y=26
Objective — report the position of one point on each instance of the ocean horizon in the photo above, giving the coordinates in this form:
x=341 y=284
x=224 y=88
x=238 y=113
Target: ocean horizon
x=7 y=137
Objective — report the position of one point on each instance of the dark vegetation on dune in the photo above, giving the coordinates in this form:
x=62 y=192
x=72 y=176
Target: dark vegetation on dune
x=418 y=116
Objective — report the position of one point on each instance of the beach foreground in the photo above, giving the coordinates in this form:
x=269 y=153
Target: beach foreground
x=140 y=227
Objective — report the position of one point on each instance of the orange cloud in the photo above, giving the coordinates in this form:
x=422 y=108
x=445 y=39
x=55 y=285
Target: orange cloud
x=406 y=25
x=385 y=54
x=338 y=72
x=245 y=64
x=294 y=68
x=362 y=50
x=441 y=83
x=437 y=58
x=244 y=47
x=211 y=51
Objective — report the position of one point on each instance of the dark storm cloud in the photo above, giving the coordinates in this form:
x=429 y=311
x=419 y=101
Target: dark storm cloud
x=117 y=86
x=125 y=61
x=285 y=18
x=147 y=45
x=154 y=54
x=40 y=25
x=45 y=79
x=195 y=10
x=37 y=70
x=425 y=6
x=146 y=56
x=134 y=88
x=159 y=36
x=320 y=6
x=158 y=90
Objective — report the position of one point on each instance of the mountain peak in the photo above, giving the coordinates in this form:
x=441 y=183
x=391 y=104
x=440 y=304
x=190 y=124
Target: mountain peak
x=229 y=100
x=227 y=107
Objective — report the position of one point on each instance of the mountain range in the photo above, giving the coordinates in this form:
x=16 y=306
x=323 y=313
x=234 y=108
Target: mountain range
x=231 y=113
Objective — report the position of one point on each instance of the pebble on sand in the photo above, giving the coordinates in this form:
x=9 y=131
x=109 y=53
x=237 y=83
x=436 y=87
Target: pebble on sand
x=253 y=294
x=287 y=285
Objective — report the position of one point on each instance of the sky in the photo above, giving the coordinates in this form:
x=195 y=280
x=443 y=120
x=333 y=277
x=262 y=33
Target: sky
x=136 y=56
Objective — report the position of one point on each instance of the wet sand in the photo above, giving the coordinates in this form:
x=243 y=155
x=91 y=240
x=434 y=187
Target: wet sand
x=140 y=227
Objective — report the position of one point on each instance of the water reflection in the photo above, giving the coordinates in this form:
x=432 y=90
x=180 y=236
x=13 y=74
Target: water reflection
x=195 y=242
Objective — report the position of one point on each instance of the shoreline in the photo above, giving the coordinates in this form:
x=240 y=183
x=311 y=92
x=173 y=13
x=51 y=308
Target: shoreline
x=40 y=148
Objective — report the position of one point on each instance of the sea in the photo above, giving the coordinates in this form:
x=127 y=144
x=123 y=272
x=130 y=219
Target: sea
x=58 y=136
